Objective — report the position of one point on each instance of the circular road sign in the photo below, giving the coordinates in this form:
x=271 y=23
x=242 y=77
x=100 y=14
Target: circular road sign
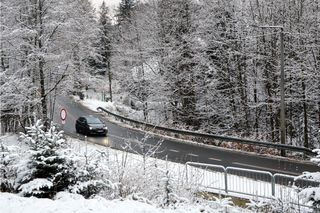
x=63 y=114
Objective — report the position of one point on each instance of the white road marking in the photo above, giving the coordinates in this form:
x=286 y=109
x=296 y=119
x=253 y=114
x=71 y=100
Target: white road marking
x=248 y=165
x=193 y=155
x=173 y=150
x=215 y=159
x=261 y=168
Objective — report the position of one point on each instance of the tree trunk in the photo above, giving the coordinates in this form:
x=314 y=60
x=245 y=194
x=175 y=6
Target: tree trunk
x=305 y=116
x=41 y=66
x=110 y=80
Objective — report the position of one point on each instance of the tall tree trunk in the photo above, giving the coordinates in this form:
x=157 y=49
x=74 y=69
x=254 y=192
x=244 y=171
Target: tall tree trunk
x=305 y=116
x=110 y=80
x=41 y=65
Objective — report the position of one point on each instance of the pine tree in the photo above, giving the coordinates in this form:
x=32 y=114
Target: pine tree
x=125 y=11
x=51 y=167
x=105 y=43
x=178 y=63
x=47 y=171
x=312 y=193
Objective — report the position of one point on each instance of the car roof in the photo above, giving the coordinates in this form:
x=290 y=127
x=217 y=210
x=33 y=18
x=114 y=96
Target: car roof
x=90 y=117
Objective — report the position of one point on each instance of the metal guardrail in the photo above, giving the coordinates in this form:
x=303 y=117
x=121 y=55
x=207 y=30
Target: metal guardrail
x=247 y=182
x=215 y=137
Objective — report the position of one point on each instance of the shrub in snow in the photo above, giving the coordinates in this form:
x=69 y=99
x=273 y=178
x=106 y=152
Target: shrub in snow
x=276 y=205
x=92 y=176
x=51 y=167
x=46 y=171
x=169 y=197
x=312 y=194
x=223 y=203
x=259 y=205
x=8 y=158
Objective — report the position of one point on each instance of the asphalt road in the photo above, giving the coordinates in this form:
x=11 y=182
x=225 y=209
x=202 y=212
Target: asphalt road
x=131 y=140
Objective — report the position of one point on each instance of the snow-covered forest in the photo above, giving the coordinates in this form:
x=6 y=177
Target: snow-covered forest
x=198 y=65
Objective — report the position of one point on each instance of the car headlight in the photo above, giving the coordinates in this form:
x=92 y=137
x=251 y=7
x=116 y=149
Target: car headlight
x=90 y=128
x=106 y=128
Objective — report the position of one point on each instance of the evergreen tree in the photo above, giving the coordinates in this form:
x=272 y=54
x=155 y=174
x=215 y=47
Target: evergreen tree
x=105 y=43
x=47 y=171
x=179 y=63
x=125 y=11
x=50 y=167
x=312 y=193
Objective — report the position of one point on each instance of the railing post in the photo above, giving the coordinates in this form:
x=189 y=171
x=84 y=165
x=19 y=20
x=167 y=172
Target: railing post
x=226 y=180
x=187 y=173
x=273 y=182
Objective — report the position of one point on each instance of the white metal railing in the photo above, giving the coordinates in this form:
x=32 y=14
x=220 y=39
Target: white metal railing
x=246 y=183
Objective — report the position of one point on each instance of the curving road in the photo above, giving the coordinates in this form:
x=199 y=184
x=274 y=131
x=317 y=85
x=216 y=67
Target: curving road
x=120 y=137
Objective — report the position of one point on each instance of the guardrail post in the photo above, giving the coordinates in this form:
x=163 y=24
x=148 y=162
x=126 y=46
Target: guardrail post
x=273 y=182
x=225 y=180
x=187 y=173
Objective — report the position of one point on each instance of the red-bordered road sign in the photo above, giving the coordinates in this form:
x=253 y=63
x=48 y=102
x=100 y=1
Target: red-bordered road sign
x=63 y=114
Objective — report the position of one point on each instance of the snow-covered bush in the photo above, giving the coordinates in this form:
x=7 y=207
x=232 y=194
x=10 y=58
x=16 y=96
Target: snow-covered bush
x=92 y=176
x=52 y=167
x=312 y=194
x=276 y=205
x=259 y=205
x=46 y=171
x=170 y=197
x=8 y=158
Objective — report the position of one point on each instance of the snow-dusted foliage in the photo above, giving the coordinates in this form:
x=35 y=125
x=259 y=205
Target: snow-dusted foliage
x=45 y=50
x=312 y=194
x=51 y=167
x=45 y=171
x=168 y=196
x=222 y=203
x=276 y=205
x=101 y=173
x=8 y=158
x=92 y=176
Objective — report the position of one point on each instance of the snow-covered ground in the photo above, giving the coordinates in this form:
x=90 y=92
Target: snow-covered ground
x=215 y=181
x=143 y=185
x=141 y=178
x=67 y=203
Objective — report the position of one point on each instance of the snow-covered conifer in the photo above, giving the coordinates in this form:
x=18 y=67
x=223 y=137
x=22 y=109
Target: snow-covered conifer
x=312 y=194
x=92 y=176
x=46 y=171
x=8 y=158
x=52 y=167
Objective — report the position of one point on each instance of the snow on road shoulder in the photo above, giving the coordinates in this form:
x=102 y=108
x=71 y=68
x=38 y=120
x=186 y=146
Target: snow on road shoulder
x=93 y=104
x=115 y=107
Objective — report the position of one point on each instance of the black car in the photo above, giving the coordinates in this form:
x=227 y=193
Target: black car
x=90 y=125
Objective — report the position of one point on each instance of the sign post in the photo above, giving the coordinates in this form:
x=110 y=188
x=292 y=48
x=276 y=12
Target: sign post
x=63 y=115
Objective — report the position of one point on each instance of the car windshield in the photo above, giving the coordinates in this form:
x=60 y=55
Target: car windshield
x=93 y=120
